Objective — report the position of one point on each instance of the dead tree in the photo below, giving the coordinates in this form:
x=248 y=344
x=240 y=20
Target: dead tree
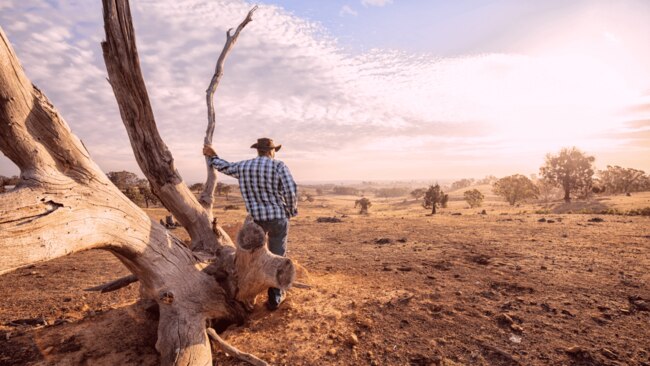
x=64 y=203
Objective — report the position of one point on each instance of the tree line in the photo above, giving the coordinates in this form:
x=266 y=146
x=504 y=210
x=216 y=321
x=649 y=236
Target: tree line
x=570 y=171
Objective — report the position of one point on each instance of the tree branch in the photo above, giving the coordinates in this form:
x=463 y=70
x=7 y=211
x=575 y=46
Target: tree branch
x=246 y=357
x=153 y=156
x=32 y=133
x=207 y=196
x=65 y=204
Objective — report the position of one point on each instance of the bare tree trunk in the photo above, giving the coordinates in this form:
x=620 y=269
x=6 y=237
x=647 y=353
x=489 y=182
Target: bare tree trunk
x=207 y=196
x=567 y=194
x=153 y=156
x=64 y=203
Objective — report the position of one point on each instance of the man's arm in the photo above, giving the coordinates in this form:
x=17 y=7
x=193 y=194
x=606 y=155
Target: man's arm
x=289 y=191
x=225 y=167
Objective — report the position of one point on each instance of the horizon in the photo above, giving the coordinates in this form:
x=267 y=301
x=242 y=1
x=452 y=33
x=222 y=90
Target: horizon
x=363 y=90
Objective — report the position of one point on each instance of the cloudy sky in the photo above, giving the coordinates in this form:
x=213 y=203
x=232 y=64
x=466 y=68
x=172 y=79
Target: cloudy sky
x=359 y=89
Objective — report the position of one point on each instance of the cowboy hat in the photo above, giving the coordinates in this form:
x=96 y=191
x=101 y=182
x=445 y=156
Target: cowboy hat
x=265 y=144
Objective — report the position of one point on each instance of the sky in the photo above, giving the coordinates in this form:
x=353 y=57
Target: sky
x=359 y=89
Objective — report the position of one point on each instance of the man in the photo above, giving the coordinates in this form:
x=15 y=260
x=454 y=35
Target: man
x=270 y=195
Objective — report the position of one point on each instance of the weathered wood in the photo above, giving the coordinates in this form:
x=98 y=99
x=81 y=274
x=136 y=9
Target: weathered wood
x=64 y=204
x=207 y=196
x=151 y=153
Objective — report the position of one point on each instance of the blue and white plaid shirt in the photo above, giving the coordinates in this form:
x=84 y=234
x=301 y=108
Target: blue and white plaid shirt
x=266 y=185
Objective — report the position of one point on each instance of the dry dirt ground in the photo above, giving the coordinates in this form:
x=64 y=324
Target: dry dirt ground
x=395 y=287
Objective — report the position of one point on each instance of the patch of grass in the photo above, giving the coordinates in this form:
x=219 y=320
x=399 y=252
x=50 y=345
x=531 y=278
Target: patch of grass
x=639 y=212
x=610 y=211
x=645 y=211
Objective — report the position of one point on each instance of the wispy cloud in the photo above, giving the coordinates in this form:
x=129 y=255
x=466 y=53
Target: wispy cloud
x=338 y=114
x=347 y=10
x=376 y=2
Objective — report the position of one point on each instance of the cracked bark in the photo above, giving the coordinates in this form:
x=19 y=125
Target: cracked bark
x=64 y=203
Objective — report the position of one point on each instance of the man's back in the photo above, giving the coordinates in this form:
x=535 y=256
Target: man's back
x=266 y=185
x=270 y=196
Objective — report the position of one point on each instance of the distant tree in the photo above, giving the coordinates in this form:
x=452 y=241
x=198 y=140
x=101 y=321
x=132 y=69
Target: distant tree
x=197 y=187
x=644 y=184
x=223 y=189
x=489 y=179
x=2 y=184
x=570 y=169
x=547 y=190
x=123 y=179
x=342 y=190
x=474 y=197
x=597 y=188
x=133 y=193
x=435 y=197
x=10 y=181
x=515 y=188
x=364 y=204
x=391 y=192
x=226 y=189
x=219 y=188
x=444 y=201
x=136 y=189
x=309 y=198
x=616 y=179
x=319 y=191
x=460 y=184
x=147 y=195
x=418 y=193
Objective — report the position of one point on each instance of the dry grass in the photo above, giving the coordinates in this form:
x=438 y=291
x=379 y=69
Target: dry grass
x=436 y=290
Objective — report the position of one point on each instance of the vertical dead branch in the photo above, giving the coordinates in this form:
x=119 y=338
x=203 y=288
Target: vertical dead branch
x=207 y=196
x=65 y=204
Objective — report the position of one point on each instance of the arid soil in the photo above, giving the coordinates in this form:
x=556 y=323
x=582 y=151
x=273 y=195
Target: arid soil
x=395 y=287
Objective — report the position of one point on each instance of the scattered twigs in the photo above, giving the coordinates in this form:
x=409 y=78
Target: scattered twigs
x=246 y=357
x=207 y=196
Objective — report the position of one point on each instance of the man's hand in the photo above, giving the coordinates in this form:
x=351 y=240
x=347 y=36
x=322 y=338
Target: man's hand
x=208 y=151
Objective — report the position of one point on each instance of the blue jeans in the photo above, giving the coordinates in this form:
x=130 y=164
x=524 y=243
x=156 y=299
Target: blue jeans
x=278 y=231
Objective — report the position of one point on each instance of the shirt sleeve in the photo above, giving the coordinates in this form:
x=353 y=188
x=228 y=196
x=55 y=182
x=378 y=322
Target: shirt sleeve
x=289 y=190
x=225 y=167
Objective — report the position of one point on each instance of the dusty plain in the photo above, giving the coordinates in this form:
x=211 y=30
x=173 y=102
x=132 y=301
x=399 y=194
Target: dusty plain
x=395 y=287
